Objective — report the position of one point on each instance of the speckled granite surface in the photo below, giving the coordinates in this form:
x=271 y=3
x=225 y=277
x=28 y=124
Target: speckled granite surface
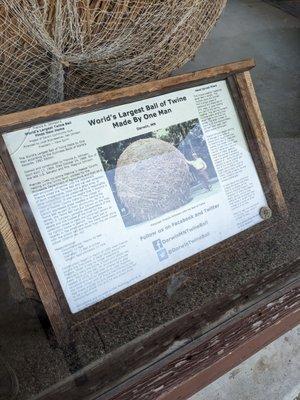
x=23 y=343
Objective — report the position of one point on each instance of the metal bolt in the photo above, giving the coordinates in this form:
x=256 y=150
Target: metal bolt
x=265 y=213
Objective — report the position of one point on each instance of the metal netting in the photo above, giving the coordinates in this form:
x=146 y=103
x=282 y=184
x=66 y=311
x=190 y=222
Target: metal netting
x=51 y=50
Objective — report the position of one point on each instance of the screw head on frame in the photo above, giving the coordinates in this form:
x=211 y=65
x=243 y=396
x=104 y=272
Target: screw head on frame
x=265 y=213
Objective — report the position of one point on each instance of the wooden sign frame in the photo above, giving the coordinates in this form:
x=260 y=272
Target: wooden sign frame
x=262 y=312
x=20 y=230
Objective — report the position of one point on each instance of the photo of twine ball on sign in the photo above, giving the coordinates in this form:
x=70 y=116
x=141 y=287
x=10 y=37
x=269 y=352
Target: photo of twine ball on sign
x=54 y=50
x=152 y=177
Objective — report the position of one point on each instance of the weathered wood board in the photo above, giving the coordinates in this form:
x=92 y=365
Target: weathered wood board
x=20 y=230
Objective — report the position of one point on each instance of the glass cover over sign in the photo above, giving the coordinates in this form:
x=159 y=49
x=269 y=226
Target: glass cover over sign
x=123 y=193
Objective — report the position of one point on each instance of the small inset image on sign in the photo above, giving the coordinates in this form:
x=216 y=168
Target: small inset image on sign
x=156 y=173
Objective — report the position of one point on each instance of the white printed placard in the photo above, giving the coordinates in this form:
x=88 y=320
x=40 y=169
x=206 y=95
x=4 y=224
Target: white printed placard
x=123 y=193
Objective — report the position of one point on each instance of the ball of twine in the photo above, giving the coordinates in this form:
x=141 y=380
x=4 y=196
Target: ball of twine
x=152 y=177
x=51 y=50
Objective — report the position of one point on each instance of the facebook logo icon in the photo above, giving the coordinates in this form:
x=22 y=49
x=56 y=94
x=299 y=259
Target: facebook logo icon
x=157 y=244
x=161 y=252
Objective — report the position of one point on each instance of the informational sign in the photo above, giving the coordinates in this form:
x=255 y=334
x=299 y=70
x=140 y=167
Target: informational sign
x=123 y=193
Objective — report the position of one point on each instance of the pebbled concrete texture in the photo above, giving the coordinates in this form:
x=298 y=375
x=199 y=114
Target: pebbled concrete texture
x=272 y=373
x=248 y=28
